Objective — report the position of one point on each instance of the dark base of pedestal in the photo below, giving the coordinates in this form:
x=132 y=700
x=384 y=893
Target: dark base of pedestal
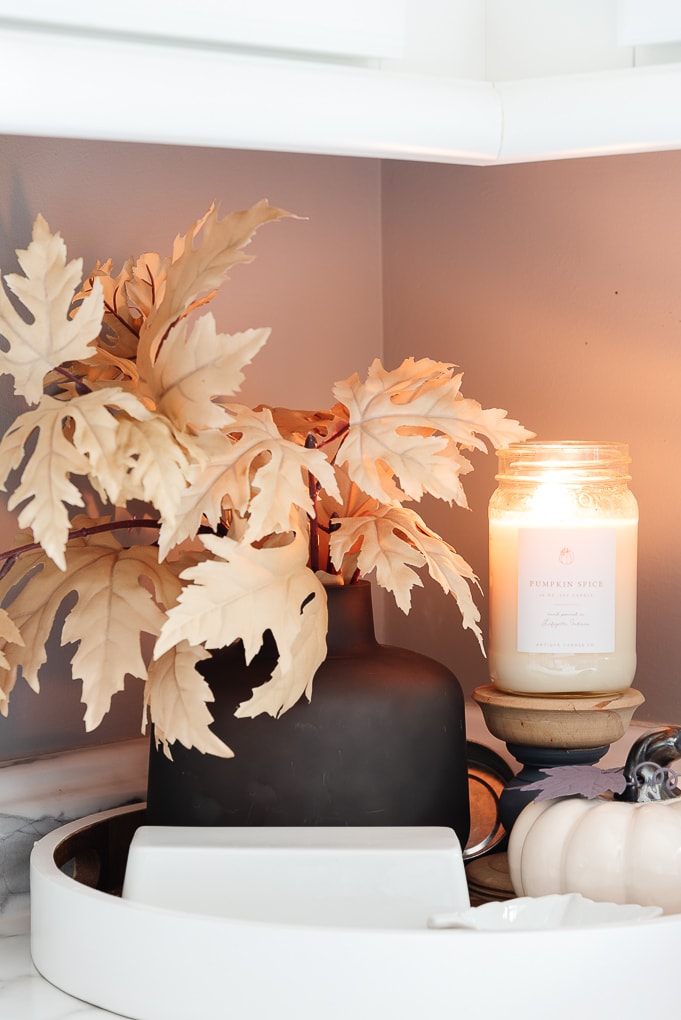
x=535 y=761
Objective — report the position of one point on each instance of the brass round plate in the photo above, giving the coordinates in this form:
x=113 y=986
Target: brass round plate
x=488 y=773
x=489 y=880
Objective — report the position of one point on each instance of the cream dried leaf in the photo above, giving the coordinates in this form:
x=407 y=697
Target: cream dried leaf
x=155 y=463
x=253 y=471
x=245 y=591
x=298 y=425
x=176 y=696
x=77 y=437
x=45 y=488
x=110 y=596
x=112 y=611
x=9 y=635
x=201 y=261
x=194 y=372
x=404 y=426
x=308 y=651
x=278 y=473
x=209 y=481
x=353 y=502
x=33 y=620
x=55 y=333
x=392 y=540
x=103 y=368
x=128 y=297
x=379 y=546
x=145 y=286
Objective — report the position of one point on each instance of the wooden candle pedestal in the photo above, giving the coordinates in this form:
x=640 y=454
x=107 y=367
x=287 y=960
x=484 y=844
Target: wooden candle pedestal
x=548 y=731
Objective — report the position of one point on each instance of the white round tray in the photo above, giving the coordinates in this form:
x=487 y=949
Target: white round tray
x=151 y=963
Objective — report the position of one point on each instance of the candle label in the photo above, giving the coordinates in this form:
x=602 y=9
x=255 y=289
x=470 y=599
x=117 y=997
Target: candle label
x=566 y=590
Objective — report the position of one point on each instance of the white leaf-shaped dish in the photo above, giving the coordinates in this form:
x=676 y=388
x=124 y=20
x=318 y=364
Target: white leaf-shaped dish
x=532 y=912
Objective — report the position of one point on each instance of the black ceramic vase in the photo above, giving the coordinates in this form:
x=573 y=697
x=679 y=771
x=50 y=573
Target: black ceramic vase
x=382 y=742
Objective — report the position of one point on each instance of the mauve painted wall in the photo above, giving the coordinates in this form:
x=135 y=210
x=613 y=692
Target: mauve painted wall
x=555 y=286
x=557 y=289
x=315 y=281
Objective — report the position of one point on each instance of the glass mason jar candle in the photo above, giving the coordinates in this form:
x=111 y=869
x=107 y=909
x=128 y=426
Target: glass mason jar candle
x=563 y=528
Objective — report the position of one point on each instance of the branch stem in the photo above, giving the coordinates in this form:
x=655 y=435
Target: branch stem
x=91 y=529
x=81 y=386
x=312 y=489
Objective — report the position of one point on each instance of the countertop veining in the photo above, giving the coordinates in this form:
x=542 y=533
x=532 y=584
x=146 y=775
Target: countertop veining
x=25 y=995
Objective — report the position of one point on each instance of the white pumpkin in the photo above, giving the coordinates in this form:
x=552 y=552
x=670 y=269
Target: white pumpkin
x=606 y=849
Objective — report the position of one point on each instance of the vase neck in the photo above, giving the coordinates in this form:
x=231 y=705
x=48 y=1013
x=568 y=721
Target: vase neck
x=351 y=618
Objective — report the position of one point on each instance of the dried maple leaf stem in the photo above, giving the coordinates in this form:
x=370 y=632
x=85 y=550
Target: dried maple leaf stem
x=190 y=308
x=113 y=310
x=313 y=485
x=81 y=386
x=334 y=437
x=10 y=555
x=152 y=284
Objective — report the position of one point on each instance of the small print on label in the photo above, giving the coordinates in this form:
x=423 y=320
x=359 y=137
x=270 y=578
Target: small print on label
x=566 y=590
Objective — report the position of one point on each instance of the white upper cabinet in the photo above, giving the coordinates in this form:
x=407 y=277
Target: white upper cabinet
x=459 y=81
x=354 y=28
x=641 y=22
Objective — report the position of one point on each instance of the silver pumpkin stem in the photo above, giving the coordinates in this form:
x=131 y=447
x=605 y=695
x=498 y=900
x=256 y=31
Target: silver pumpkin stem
x=647 y=766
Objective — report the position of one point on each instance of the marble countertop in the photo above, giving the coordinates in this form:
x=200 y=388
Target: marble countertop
x=37 y=796
x=25 y=995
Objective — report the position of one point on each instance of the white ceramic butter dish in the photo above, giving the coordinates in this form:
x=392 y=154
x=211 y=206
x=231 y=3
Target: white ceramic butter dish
x=331 y=876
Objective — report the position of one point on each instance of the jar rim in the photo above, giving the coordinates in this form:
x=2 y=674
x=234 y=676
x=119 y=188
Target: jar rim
x=592 y=459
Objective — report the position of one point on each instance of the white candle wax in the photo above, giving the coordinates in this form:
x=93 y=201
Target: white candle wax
x=562 y=604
